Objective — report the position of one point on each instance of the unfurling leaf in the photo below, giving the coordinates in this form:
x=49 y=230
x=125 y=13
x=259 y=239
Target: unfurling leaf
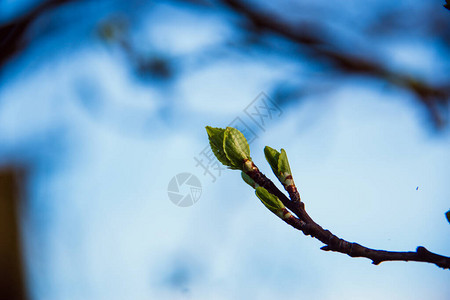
x=248 y=180
x=230 y=147
x=216 y=136
x=283 y=164
x=284 y=169
x=270 y=201
x=279 y=164
x=236 y=147
x=272 y=157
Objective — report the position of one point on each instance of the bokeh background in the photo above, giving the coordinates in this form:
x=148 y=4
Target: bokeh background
x=103 y=102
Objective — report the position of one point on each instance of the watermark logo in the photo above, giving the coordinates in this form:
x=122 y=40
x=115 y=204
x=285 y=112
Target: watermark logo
x=263 y=110
x=260 y=113
x=184 y=189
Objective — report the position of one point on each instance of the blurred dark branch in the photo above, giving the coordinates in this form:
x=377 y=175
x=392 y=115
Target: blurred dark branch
x=12 y=33
x=12 y=282
x=316 y=43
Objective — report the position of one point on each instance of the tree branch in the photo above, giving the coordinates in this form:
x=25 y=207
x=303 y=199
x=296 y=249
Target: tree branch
x=13 y=32
x=306 y=224
x=317 y=44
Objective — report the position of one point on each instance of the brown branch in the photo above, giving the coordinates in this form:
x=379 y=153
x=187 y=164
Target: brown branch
x=306 y=224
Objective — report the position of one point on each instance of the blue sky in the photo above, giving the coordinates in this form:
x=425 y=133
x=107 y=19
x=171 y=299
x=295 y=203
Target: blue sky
x=103 y=146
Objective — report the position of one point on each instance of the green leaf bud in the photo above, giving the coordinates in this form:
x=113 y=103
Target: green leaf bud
x=248 y=180
x=272 y=157
x=216 y=136
x=270 y=201
x=284 y=170
x=236 y=148
x=279 y=163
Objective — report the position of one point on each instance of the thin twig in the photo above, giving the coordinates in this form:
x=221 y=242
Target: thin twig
x=306 y=224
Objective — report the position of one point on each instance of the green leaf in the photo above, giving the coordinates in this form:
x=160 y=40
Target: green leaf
x=216 y=136
x=283 y=165
x=248 y=180
x=272 y=157
x=236 y=148
x=270 y=201
x=279 y=164
x=447 y=214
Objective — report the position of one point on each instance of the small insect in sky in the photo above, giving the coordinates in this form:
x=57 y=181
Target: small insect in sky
x=417 y=188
